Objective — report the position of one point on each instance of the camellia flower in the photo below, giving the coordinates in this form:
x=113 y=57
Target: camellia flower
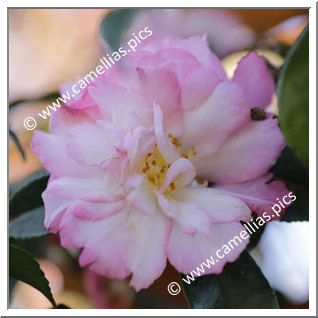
x=225 y=31
x=287 y=244
x=132 y=156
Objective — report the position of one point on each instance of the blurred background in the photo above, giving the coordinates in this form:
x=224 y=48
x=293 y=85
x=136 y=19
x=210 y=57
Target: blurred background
x=47 y=47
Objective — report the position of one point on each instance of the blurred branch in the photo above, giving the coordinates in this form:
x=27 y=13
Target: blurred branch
x=17 y=143
x=53 y=95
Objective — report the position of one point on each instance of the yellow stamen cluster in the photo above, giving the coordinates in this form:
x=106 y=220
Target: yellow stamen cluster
x=188 y=155
x=155 y=166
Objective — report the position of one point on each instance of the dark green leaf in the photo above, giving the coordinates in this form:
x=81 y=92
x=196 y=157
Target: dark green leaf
x=240 y=285
x=34 y=245
x=27 y=195
x=28 y=225
x=23 y=267
x=114 y=26
x=299 y=210
x=17 y=143
x=293 y=97
x=291 y=171
x=288 y=167
x=61 y=306
x=254 y=239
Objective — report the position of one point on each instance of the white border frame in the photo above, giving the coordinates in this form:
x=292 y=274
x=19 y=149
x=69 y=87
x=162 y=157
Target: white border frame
x=312 y=154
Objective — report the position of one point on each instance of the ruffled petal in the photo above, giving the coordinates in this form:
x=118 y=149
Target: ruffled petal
x=81 y=100
x=199 y=47
x=84 y=143
x=189 y=217
x=95 y=211
x=52 y=152
x=259 y=194
x=253 y=76
x=166 y=147
x=221 y=208
x=146 y=256
x=247 y=155
x=67 y=117
x=55 y=208
x=208 y=126
x=114 y=101
x=91 y=190
x=141 y=195
x=195 y=209
x=114 y=170
x=196 y=80
x=138 y=143
x=187 y=252
x=197 y=87
x=159 y=81
x=103 y=243
x=182 y=172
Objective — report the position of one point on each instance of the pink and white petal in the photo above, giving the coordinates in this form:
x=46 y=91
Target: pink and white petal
x=259 y=194
x=162 y=86
x=67 y=117
x=113 y=135
x=114 y=101
x=166 y=147
x=103 y=243
x=88 y=143
x=208 y=126
x=138 y=143
x=184 y=62
x=220 y=208
x=187 y=252
x=198 y=46
x=146 y=256
x=247 y=155
x=141 y=195
x=189 y=217
x=91 y=190
x=52 y=152
x=197 y=82
x=252 y=74
x=114 y=169
x=55 y=208
x=182 y=172
x=95 y=211
x=81 y=100
x=197 y=87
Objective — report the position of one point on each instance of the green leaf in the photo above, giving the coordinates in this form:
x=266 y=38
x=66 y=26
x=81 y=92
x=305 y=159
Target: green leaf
x=240 y=285
x=291 y=171
x=61 y=306
x=254 y=239
x=114 y=26
x=293 y=97
x=288 y=167
x=17 y=143
x=299 y=210
x=28 y=225
x=27 y=195
x=23 y=267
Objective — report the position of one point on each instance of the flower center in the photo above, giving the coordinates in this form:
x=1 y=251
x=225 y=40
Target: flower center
x=156 y=167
